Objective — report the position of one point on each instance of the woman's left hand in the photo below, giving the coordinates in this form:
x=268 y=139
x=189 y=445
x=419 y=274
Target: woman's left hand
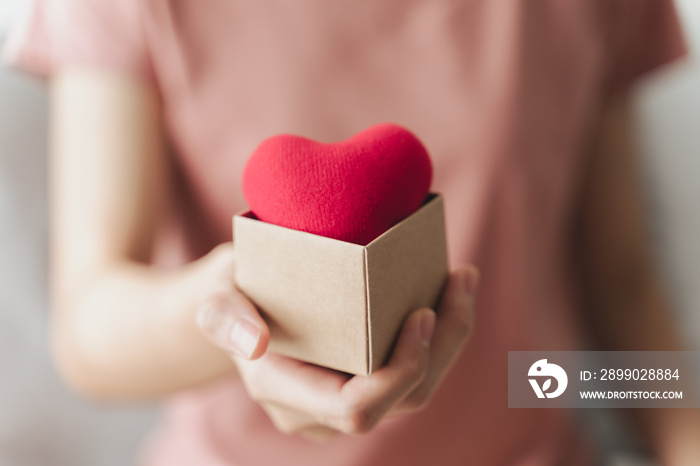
x=318 y=403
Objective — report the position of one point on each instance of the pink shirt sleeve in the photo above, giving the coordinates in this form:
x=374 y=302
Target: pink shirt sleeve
x=638 y=36
x=100 y=33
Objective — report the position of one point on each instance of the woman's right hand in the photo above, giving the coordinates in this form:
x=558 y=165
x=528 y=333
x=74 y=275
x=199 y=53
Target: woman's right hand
x=319 y=403
x=227 y=317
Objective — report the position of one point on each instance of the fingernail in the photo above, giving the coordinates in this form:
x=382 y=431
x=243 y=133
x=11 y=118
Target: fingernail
x=427 y=325
x=244 y=337
x=470 y=280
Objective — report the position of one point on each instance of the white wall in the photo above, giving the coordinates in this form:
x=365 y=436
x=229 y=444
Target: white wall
x=9 y=9
x=669 y=137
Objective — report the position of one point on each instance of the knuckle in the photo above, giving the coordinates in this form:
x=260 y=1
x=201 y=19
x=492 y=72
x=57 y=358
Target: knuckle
x=218 y=297
x=253 y=382
x=221 y=261
x=416 y=401
x=358 y=420
x=281 y=421
x=218 y=300
x=283 y=426
x=462 y=324
x=319 y=435
x=413 y=373
x=256 y=395
x=223 y=249
x=416 y=370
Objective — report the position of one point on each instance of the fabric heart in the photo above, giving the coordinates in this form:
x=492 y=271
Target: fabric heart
x=353 y=190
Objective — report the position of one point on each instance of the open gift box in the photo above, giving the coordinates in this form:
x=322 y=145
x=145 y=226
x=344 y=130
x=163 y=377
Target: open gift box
x=339 y=304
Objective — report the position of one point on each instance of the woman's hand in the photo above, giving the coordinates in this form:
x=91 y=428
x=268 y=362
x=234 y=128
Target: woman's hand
x=318 y=403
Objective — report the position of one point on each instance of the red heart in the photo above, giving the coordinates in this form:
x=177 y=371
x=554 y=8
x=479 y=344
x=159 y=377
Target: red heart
x=353 y=190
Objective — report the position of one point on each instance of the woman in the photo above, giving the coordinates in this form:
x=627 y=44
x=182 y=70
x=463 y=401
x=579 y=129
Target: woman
x=524 y=108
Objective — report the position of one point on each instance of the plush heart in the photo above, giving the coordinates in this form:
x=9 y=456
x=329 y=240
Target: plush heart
x=352 y=190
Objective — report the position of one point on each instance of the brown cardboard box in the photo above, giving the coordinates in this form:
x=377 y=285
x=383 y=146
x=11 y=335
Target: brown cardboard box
x=339 y=304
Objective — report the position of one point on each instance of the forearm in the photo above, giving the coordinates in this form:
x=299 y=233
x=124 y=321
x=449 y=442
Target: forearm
x=131 y=333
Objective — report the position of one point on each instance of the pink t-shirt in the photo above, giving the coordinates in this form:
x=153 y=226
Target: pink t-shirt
x=502 y=92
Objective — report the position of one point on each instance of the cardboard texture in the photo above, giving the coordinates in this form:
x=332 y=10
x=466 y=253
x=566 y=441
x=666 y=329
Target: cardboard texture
x=339 y=304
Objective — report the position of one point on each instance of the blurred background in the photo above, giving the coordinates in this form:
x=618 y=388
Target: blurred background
x=42 y=423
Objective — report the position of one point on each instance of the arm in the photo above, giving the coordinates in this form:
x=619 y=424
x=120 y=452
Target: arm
x=628 y=308
x=120 y=328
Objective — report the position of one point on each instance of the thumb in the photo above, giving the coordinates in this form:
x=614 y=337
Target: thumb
x=232 y=322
